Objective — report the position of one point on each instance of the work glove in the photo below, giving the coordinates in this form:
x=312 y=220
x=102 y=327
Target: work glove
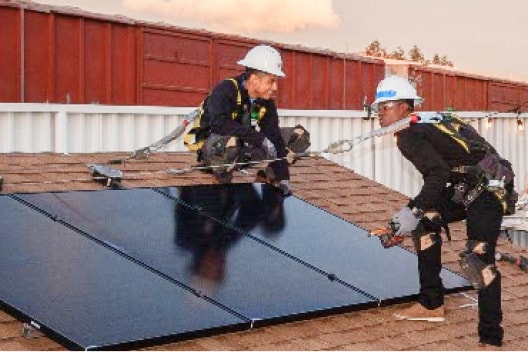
x=269 y=148
x=284 y=187
x=291 y=157
x=405 y=221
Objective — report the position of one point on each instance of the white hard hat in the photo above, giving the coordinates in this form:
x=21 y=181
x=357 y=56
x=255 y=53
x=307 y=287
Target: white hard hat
x=396 y=88
x=264 y=58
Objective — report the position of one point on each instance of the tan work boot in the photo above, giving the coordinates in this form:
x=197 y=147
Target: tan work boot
x=419 y=312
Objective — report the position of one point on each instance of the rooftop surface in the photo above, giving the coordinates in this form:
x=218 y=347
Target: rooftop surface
x=327 y=185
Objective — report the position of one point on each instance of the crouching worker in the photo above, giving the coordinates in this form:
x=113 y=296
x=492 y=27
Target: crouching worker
x=463 y=178
x=239 y=122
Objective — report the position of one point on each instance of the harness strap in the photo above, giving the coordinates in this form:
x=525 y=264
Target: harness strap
x=194 y=140
x=234 y=115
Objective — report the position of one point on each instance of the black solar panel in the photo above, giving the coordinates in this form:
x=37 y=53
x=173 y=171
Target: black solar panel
x=188 y=260
x=319 y=238
x=85 y=294
x=200 y=252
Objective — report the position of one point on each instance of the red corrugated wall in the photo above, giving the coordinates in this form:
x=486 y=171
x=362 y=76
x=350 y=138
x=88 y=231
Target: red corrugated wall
x=52 y=54
x=444 y=89
x=63 y=58
x=10 y=55
x=60 y=55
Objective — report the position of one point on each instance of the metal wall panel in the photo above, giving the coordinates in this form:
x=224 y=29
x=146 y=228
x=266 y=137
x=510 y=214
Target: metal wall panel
x=37 y=57
x=67 y=53
x=75 y=57
x=176 y=68
x=445 y=89
x=52 y=56
x=303 y=81
x=503 y=96
x=123 y=70
x=370 y=75
x=61 y=55
x=287 y=88
x=10 y=70
x=94 y=128
x=227 y=53
x=319 y=82
x=475 y=95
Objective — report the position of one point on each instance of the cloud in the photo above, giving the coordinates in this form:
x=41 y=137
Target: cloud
x=283 y=16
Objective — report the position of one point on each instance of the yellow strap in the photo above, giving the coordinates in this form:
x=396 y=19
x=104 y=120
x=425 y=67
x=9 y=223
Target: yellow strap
x=501 y=197
x=234 y=115
x=452 y=134
x=189 y=140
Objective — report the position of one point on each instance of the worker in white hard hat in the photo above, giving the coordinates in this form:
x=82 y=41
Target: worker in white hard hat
x=395 y=91
x=463 y=178
x=240 y=123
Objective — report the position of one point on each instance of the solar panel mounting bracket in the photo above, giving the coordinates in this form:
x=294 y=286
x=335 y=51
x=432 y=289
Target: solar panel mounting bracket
x=103 y=173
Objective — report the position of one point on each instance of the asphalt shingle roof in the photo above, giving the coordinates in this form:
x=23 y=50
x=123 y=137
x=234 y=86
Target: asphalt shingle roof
x=326 y=185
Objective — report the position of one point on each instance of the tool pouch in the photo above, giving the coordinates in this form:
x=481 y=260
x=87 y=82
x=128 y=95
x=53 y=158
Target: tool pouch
x=297 y=139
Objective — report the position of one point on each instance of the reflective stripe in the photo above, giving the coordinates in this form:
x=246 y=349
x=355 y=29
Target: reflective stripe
x=190 y=139
x=462 y=169
x=452 y=134
x=234 y=115
x=386 y=94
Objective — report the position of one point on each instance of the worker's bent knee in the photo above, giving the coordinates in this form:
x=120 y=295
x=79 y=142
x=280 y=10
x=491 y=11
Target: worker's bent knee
x=424 y=240
x=480 y=274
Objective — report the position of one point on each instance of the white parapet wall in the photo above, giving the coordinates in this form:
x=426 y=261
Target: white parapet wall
x=59 y=128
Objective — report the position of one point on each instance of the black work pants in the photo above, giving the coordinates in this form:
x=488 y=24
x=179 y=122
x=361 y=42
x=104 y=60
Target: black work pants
x=484 y=218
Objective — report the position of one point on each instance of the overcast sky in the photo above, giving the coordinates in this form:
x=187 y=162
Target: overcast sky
x=479 y=36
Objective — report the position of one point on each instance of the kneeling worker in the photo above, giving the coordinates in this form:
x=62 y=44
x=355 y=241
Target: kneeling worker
x=239 y=122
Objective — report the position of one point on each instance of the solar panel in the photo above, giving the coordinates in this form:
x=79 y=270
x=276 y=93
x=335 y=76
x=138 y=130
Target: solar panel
x=200 y=252
x=321 y=239
x=241 y=253
x=85 y=294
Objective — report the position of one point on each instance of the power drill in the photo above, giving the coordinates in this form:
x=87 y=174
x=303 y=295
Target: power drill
x=387 y=235
x=521 y=262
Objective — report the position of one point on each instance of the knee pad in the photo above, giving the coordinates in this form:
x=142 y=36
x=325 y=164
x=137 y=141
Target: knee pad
x=424 y=240
x=221 y=149
x=480 y=274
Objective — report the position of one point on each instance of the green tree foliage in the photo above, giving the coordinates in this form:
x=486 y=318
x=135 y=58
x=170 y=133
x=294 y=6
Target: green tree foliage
x=375 y=49
x=445 y=62
x=415 y=54
x=398 y=54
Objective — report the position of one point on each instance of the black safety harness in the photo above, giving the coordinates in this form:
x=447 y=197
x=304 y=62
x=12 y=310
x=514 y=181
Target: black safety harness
x=492 y=173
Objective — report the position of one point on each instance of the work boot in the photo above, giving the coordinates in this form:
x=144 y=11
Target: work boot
x=282 y=186
x=419 y=312
x=490 y=346
x=262 y=177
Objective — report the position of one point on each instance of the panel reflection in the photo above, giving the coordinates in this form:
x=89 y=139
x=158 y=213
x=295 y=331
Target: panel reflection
x=228 y=209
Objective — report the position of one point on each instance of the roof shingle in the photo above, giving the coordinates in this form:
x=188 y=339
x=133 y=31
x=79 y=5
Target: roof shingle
x=317 y=181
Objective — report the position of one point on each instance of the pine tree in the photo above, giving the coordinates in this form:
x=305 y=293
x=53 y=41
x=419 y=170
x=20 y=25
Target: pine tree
x=415 y=54
x=375 y=49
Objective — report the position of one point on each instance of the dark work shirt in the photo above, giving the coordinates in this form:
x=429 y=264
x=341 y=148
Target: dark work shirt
x=219 y=109
x=223 y=102
x=434 y=154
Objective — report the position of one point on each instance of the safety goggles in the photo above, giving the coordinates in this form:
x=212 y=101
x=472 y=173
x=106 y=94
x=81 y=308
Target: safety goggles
x=382 y=107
